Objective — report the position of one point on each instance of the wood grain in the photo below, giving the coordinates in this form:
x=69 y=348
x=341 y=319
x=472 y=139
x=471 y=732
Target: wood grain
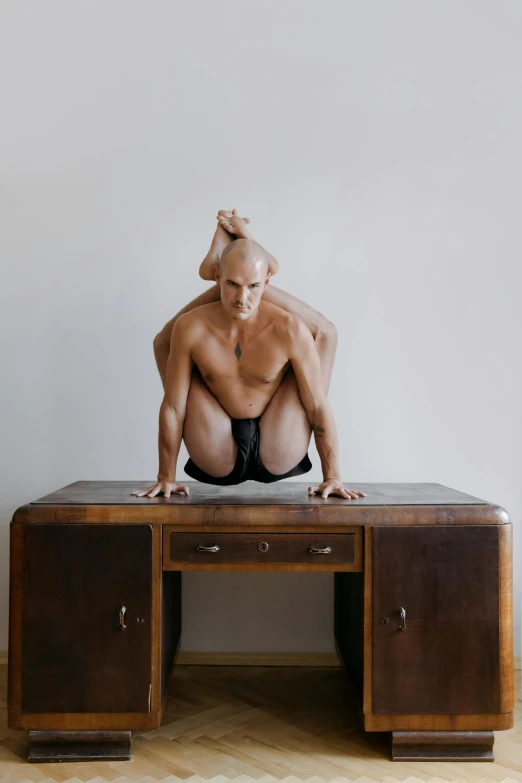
x=442 y=745
x=506 y=653
x=496 y=722
x=250 y=552
x=264 y=517
x=49 y=746
x=447 y=580
x=255 y=493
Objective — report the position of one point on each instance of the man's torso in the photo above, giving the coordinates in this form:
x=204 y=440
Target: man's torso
x=243 y=386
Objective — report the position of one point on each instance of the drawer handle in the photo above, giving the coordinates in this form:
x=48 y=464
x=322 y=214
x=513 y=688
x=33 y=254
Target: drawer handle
x=402 y=612
x=202 y=548
x=314 y=551
x=122 y=617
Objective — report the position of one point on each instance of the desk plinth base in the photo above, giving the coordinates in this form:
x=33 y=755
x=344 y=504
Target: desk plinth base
x=442 y=745
x=79 y=746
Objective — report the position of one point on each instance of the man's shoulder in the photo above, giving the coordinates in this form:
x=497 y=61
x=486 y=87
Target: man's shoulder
x=282 y=318
x=200 y=316
x=288 y=324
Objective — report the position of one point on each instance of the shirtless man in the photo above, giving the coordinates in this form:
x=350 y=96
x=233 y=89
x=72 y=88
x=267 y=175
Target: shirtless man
x=245 y=371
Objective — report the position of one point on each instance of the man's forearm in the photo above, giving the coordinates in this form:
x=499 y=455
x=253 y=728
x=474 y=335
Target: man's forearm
x=325 y=433
x=169 y=441
x=161 y=354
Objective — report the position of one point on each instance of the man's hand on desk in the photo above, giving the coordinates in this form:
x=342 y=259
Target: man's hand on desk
x=167 y=487
x=335 y=487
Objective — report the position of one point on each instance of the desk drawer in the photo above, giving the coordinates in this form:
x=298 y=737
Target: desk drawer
x=194 y=551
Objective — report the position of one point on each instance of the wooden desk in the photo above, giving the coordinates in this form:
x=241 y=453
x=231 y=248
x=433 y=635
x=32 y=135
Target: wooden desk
x=423 y=606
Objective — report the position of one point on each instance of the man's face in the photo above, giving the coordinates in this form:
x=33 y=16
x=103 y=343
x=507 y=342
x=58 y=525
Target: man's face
x=242 y=284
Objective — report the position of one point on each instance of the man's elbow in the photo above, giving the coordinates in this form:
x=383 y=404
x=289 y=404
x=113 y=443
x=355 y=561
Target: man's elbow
x=161 y=343
x=171 y=412
x=326 y=332
x=318 y=409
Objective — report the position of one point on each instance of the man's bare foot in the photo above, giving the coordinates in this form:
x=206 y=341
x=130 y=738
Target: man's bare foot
x=226 y=213
x=220 y=240
x=234 y=224
x=237 y=227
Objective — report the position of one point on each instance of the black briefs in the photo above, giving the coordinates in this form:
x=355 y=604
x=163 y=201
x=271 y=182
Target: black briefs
x=248 y=462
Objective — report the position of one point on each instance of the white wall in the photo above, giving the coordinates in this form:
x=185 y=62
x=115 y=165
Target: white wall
x=376 y=147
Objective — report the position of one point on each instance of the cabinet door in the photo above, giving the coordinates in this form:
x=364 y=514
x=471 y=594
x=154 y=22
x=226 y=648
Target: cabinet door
x=75 y=656
x=446 y=579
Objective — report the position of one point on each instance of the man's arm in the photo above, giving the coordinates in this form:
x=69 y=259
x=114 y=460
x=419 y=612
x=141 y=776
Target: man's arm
x=172 y=411
x=163 y=340
x=307 y=368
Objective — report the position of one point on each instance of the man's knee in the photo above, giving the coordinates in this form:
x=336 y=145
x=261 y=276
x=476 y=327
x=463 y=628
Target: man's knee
x=327 y=333
x=283 y=446
x=279 y=459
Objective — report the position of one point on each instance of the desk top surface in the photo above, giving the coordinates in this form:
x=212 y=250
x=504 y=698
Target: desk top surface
x=249 y=493
x=253 y=505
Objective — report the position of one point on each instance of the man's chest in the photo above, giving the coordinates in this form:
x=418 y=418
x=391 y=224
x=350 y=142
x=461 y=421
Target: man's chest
x=252 y=361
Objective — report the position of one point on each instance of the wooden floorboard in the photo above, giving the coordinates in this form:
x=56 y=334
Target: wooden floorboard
x=265 y=724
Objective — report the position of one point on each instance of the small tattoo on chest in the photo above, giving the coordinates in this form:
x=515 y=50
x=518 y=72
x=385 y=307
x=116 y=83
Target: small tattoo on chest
x=237 y=351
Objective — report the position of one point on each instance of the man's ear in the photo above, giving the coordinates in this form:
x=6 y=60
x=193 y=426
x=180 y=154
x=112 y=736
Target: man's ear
x=217 y=276
x=267 y=281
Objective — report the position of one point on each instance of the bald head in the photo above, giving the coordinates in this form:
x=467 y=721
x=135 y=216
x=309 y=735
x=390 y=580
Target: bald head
x=246 y=250
x=242 y=275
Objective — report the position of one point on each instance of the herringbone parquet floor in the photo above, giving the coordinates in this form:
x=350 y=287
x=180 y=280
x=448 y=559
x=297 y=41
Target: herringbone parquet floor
x=268 y=724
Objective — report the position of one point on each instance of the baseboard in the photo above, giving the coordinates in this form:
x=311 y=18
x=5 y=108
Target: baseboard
x=187 y=658
x=256 y=659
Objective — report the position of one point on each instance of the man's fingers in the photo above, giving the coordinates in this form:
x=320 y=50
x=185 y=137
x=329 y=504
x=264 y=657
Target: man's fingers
x=155 y=491
x=140 y=492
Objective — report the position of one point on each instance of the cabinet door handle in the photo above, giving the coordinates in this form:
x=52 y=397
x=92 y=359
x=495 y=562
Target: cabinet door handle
x=202 y=548
x=122 y=617
x=315 y=551
x=402 y=612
